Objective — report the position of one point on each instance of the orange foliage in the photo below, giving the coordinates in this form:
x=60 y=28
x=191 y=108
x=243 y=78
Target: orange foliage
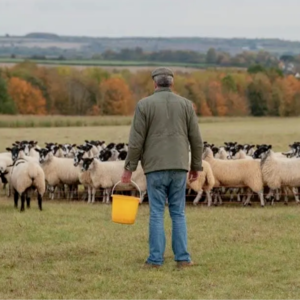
x=116 y=97
x=216 y=99
x=28 y=99
x=204 y=109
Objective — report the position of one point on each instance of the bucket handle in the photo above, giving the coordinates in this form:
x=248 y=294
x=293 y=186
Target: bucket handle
x=112 y=192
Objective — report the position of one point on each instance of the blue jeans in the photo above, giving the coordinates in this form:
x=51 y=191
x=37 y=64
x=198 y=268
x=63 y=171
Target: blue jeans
x=160 y=186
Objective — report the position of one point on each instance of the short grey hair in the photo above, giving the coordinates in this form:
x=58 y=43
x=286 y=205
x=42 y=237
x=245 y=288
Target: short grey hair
x=163 y=80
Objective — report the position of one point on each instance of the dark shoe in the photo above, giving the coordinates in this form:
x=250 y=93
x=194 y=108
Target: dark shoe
x=150 y=266
x=185 y=264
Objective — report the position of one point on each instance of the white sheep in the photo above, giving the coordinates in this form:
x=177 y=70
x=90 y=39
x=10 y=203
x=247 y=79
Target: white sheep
x=58 y=170
x=278 y=172
x=204 y=182
x=85 y=177
x=236 y=173
x=107 y=174
x=25 y=176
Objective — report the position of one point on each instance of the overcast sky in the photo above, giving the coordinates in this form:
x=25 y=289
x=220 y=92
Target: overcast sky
x=117 y=18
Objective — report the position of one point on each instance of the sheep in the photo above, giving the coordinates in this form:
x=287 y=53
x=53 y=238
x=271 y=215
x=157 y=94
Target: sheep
x=279 y=172
x=58 y=170
x=30 y=151
x=26 y=175
x=19 y=152
x=236 y=173
x=122 y=155
x=109 y=155
x=107 y=174
x=94 y=151
x=68 y=150
x=85 y=177
x=204 y=182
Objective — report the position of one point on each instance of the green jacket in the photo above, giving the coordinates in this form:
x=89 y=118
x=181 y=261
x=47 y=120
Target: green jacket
x=164 y=124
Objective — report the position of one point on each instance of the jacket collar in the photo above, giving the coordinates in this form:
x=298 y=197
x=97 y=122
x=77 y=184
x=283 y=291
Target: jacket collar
x=163 y=90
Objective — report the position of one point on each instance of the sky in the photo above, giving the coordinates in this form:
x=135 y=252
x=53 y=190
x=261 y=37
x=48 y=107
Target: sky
x=153 y=18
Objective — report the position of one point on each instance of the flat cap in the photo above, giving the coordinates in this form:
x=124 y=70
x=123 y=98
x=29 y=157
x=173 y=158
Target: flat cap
x=162 y=71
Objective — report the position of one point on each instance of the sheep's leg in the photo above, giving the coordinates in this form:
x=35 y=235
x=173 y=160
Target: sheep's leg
x=143 y=194
x=220 y=199
x=40 y=199
x=89 y=194
x=209 y=198
x=261 y=197
x=270 y=196
x=295 y=192
x=93 y=194
x=247 y=200
x=104 y=196
x=23 y=201
x=189 y=191
x=286 y=197
x=28 y=201
x=198 y=197
x=277 y=195
x=16 y=198
x=52 y=192
x=108 y=196
x=232 y=192
x=216 y=197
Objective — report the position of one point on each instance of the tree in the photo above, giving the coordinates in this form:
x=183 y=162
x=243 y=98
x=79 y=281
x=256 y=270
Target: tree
x=259 y=92
x=6 y=104
x=229 y=84
x=28 y=99
x=116 y=97
x=216 y=100
x=254 y=69
x=211 y=56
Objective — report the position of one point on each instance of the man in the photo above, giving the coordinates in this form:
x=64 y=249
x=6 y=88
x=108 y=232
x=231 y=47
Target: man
x=163 y=127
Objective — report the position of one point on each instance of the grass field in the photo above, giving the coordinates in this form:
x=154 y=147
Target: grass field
x=72 y=250
x=107 y=63
x=276 y=131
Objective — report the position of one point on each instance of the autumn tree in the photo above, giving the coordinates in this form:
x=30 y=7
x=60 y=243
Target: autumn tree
x=28 y=99
x=116 y=97
x=216 y=100
x=6 y=104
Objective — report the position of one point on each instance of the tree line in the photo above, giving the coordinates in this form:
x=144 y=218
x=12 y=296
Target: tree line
x=30 y=89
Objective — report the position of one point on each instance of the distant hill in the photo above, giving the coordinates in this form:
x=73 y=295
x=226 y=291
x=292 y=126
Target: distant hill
x=41 y=35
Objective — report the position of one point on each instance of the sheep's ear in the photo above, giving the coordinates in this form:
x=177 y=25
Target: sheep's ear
x=5 y=172
x=226 y=144
x=270 y=147
x=9 y=149
x=74 y=145
x=37 y=150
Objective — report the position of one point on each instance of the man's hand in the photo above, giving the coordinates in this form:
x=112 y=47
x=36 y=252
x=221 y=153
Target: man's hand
x=193 y=175
x=126 y=177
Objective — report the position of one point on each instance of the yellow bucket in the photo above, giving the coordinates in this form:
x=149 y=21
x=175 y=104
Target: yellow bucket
x=124 y=208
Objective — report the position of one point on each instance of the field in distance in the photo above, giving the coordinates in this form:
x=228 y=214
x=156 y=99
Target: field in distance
x=279 y=132
x=132 y=66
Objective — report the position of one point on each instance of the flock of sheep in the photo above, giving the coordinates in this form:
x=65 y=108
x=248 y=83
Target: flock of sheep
x=240 y=170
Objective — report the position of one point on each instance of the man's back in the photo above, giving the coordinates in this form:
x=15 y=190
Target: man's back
x=168 y=120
